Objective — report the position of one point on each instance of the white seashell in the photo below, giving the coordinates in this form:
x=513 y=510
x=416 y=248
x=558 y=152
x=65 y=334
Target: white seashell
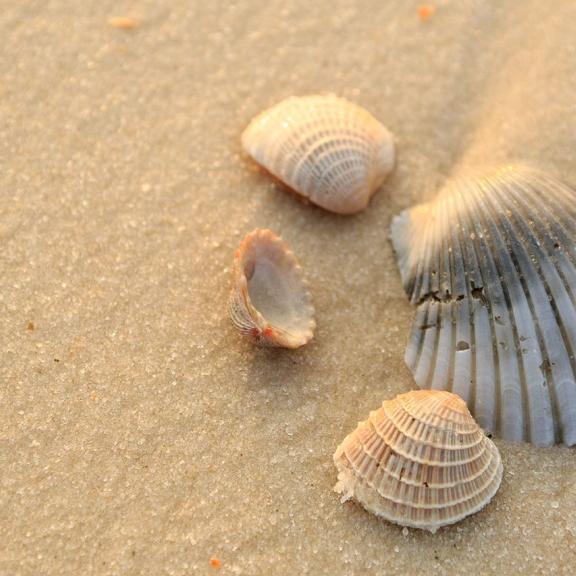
x=420 y=460
x=325 y=148
x=491 y=266
x=269 y=301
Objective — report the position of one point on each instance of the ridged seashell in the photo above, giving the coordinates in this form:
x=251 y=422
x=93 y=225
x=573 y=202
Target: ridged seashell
x=420 y=460
x=325 y=148
x=491 y=266
x=270 y=302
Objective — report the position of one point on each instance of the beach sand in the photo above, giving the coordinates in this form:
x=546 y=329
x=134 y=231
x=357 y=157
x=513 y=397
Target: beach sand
x=139 y=434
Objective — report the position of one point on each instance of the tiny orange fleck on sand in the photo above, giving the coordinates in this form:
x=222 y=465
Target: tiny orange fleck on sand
x=30 y=326
x=123 y=22
x=215 y=563
x=425 y=11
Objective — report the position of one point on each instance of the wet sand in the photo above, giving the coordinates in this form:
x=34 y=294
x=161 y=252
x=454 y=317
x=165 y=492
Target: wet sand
x=140 y=434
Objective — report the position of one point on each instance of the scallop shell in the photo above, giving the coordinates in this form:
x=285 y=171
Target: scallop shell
x=491 y=266
x=325 y=148
x=269 y=301
x=420 y=460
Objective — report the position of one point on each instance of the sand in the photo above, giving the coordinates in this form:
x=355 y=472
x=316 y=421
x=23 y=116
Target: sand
x=139 y=434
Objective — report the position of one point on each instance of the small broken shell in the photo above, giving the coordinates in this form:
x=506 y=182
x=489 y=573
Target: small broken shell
x=420 y=461
x=325 y=148
x=490 y=264
x=270 y=302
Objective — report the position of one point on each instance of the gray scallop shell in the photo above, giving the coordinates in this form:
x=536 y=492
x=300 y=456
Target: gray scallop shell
x=491 y=266
x=327 y=149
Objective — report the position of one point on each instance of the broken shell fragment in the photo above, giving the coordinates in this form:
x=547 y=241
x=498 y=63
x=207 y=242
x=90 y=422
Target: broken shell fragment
x=327 y=149
x=269 y=301
x=491 y=266
x=420 y=460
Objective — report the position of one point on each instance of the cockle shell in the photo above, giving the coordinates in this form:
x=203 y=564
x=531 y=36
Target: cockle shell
x=420 y=460
x=325 y=148
x=269 y=301
x=491 y=266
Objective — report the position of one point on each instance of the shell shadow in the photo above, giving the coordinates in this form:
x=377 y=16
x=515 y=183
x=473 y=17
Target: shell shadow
x=279 y=371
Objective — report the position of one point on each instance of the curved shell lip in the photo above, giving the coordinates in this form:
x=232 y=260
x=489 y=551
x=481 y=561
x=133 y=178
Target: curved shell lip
x=259 y=328
x=433 y=527
x=382 y=156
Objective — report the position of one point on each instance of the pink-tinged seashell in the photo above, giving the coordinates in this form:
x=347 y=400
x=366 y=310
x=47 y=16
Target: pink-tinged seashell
x=490 y=264
x=269 y=302
x=420 y=461
x=327 y=149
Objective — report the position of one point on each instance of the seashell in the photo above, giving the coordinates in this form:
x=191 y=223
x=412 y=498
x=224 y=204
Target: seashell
x=420 y=460
x=270 y=302
x=491 y=266
x=327 y=149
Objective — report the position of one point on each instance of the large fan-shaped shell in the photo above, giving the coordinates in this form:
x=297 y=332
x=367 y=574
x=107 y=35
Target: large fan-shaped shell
x=269 y=301
x=420 y=460
x=325 y=148
x=491 y=266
